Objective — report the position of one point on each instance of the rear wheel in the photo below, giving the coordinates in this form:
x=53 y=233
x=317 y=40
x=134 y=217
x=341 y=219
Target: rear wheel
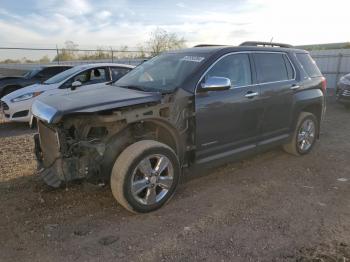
x=145 y=176
x=304 y=136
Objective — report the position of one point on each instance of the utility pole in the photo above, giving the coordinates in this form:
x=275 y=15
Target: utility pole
x=58 y=55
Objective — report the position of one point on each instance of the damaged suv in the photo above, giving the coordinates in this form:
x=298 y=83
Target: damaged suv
x=183 y=110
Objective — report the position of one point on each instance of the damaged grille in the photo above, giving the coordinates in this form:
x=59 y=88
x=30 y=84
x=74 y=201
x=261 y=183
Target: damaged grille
x=49 y=144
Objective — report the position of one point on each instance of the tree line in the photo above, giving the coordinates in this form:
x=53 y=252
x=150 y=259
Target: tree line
x=159 y=41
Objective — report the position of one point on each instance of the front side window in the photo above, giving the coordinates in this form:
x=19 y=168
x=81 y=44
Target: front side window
x=271 y=67
x=235 y=67
x=88 y=77
x=97 y=75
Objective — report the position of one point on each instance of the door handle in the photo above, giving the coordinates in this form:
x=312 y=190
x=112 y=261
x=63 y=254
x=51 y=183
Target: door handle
x=251 y=94
x=295 y=87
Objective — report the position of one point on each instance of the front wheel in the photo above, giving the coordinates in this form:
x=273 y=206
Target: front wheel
x=145 y=176
x=304 y=135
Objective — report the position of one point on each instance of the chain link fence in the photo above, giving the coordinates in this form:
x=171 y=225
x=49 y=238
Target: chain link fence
x=16 y=60
x=332 y=63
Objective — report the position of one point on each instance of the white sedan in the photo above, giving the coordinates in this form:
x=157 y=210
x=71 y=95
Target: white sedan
x=17 y=105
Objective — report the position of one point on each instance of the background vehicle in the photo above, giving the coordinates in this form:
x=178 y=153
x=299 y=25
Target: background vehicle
x=343 y=91
x=193 y=108
x=16 y=105
x=37 y=75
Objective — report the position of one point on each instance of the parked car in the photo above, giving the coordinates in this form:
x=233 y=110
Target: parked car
x=16 y=105
x=184 y=110
x=343 y=91
x=36 y=75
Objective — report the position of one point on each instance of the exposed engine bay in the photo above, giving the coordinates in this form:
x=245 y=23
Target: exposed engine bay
x=85 y=146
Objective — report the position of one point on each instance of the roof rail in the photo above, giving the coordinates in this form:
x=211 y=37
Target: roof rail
x=265 y=44
x=205 y=45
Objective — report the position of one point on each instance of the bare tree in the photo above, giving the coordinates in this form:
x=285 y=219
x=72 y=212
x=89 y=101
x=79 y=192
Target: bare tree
x=67 y=53
x=161 y=41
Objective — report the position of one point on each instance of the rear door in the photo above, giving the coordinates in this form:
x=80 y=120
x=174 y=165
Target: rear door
x=227 y=121
x=276 y=78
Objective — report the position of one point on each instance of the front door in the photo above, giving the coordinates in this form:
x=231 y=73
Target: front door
x=228 y=121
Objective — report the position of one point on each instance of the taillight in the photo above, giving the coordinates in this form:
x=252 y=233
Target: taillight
x=324 y=85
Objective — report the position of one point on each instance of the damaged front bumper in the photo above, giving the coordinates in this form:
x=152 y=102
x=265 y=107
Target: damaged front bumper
x=52 y=175
x=57 y=168
x=59 y=171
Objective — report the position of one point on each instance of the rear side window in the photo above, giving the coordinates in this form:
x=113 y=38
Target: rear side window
x=309 y=65
x=272 y=67
x=118 y=72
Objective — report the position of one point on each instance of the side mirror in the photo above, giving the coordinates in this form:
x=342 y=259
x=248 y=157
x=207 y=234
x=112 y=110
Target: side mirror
x=76 y=84
x=215 y=83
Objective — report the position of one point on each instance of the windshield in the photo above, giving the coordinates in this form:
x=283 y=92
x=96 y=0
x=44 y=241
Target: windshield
x=32 y=73
x=163 y=73
x=63 y=75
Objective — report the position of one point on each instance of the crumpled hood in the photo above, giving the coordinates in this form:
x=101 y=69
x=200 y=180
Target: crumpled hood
x=52 y=108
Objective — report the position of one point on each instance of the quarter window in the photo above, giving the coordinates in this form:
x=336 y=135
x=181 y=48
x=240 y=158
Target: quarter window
x=309 y=65
x=235 y=67
x=273 y=67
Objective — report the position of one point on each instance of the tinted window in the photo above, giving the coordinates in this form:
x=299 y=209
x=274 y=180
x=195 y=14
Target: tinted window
x=32 y=73
x=51 y=71
x=309 y=65
x=271 y=67
x=235 y=67
x=290 y=70
x=118 y=72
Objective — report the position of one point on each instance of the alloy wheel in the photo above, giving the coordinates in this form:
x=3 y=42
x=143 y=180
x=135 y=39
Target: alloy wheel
x=151 y=179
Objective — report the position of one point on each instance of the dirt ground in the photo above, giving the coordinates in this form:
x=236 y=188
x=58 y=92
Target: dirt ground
x=271 y=207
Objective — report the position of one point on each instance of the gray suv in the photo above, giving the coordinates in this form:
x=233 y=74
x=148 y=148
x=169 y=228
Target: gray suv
x=183 y=110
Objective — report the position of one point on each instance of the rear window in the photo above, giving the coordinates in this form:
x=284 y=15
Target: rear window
x=309 y=65
x=273 y=67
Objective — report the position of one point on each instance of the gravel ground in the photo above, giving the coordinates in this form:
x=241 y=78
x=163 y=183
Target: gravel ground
x=271 y=207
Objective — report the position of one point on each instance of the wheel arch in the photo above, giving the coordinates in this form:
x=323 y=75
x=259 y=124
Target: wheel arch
x=155 y=129
x=311 y=101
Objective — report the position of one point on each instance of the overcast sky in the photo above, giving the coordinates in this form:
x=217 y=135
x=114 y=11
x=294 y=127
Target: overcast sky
x=45 y=23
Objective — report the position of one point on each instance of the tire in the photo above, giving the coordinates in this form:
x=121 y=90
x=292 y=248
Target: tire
x=294 y=146
x=134 y=186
